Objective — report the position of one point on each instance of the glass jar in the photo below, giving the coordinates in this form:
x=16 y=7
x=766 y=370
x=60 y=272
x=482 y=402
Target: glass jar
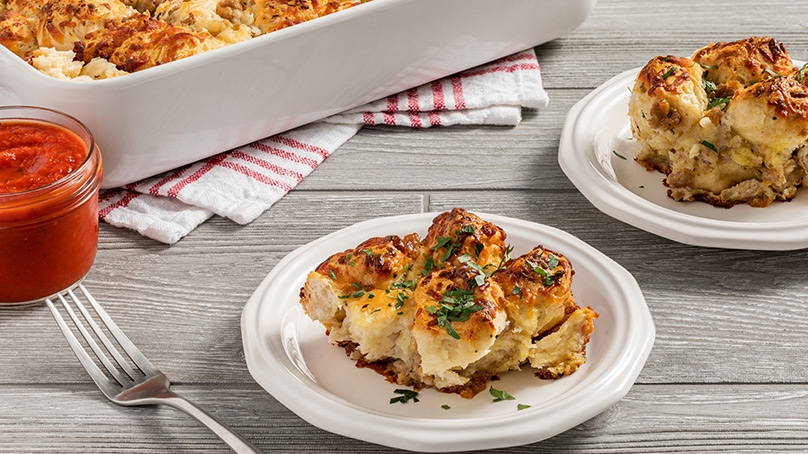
x=48 y=233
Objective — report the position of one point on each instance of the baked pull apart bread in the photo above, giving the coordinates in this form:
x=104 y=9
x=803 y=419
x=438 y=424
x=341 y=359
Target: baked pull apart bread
x=452 y=310
x=727 y=125
x=100 y=39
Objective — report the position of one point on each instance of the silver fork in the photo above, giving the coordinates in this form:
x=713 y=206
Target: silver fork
x=143 y=384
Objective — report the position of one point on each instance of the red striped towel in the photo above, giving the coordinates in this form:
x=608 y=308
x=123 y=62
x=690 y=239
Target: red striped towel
x=241 y=184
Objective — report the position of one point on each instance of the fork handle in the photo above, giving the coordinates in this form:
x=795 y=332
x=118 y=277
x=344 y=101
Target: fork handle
x=235 y=441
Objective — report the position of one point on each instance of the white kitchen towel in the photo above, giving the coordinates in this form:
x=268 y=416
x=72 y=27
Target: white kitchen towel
x=242 y=183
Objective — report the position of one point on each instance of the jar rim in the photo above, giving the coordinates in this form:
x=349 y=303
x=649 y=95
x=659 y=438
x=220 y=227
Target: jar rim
x=92 y=148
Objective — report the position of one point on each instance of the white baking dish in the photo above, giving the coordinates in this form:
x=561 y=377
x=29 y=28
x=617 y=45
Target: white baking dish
x=171 y=115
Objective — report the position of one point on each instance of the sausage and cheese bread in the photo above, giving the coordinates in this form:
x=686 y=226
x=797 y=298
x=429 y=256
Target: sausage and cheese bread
x=451 y=311
x=226 y=19
x=727 y=126
x=116 y=37
x=159 y=44
x=61 y=23
x=271 y=15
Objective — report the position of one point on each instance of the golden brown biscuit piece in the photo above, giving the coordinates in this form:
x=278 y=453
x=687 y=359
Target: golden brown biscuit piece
x=138 y=42
x=746 y=61
x=456 y=236
x=161 y=45
x=27 y=8
x=102 y=43
x=62 y=23
x=226 y=20
x=563 y=351
x=457 y=322
x=16 y=34
x=538 y=289
x=271 y=15
x=666 y=105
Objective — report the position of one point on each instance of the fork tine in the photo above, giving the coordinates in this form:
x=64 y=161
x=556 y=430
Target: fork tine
x=99 y=353
x=137 y=356
x=101 y=380
x=122 y=362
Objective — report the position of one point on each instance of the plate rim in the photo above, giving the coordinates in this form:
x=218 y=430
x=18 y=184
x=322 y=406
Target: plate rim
x=332 y=412
x=617 y=201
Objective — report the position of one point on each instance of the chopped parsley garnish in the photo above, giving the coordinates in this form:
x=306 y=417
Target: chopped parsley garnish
x=505 y=257
x=708 y=145
x=522 y=406
x=772 y=73
x=358 y=293
x=669 y=72
x=332 y=275
x=546 y=274
x=445 y=407
x=429 y=265
x=408 y=284
x=450 y=245
x=500 y=395
x=723 y=102
x=468 y=261
x=517 y=291
x=708 y=66
x=618 y=155
x=801 y=73
x=708 y=85
x=406 y=396
x=400 y=300
x=457 y=305
x=404 y=283
x=348 y=259
x=445 y=242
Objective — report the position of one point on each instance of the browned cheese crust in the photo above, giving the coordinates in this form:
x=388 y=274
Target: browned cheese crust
x=451 y=311
x=727 y=126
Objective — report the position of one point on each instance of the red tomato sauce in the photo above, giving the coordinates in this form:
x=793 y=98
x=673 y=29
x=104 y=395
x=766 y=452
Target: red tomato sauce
x=48 y=209
x=34 y=154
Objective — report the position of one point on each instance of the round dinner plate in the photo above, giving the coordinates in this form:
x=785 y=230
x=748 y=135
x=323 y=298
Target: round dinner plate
x=597 y=153
x=289 y=355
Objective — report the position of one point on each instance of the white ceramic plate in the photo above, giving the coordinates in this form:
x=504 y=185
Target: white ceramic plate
x=289 y=355
x=597 y=130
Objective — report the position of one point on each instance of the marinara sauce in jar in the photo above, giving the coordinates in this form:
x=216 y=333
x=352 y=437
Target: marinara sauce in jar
x=50 y=174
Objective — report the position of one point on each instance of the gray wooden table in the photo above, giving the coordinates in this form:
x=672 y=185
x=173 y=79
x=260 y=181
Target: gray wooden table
x=728 y=371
